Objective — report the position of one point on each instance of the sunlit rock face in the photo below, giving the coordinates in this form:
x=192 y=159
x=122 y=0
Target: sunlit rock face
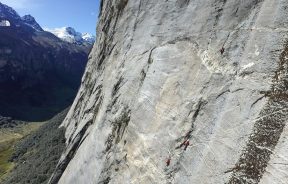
x=164 y=72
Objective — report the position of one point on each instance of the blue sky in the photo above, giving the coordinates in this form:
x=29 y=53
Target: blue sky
x=79 y=14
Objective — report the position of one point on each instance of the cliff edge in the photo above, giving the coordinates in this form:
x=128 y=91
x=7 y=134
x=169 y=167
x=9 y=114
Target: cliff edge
x=162 y=73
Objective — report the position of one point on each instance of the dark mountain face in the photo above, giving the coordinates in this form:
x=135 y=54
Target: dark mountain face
x=29 y=20
x=39 y=73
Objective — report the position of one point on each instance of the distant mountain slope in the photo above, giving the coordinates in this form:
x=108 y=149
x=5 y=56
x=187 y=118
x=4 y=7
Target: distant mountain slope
x=41 y=150
x=39 y=73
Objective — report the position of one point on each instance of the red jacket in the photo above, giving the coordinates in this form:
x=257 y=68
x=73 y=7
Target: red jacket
x=168 y=161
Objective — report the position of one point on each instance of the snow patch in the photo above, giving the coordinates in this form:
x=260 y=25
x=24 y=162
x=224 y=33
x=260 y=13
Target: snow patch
x=5 y=23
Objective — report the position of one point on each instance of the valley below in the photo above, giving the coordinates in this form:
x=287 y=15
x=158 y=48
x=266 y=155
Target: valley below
x=29 y=151
x=9 y=137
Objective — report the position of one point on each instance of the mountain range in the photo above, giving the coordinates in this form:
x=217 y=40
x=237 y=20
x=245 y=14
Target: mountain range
x=69 y=34
x=39 y=72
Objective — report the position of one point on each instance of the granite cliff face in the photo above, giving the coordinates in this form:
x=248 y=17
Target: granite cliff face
x=158 y=76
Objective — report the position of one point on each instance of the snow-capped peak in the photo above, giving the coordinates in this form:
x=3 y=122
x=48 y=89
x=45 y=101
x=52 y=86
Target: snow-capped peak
x=88 y=38
x=69 y=34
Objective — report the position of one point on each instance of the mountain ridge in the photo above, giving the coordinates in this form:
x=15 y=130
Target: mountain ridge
x=39 y=73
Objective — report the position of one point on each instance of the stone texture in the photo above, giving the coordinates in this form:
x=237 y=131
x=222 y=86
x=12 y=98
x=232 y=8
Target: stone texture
x=156 y=77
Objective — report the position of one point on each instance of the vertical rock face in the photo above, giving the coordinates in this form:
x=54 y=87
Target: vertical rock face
x=158 y=76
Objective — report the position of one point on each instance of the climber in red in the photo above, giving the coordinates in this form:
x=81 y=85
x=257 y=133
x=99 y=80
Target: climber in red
x=168 y=161
x=182 y=144
x=222 y=50
x=186 y=144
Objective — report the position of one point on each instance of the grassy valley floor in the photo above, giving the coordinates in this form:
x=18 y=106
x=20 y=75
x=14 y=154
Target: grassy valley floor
x=29 y=152
x=8 y=139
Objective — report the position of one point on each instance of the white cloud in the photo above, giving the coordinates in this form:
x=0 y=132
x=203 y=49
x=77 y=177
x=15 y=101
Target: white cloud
x=20 y=4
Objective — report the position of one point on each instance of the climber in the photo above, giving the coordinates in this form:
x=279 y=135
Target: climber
x=186 y=144
x=182 y=144
x=168 y=161
x=222 y=50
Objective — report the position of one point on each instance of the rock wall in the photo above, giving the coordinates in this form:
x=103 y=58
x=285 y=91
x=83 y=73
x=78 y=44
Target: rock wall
x=158 y=76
